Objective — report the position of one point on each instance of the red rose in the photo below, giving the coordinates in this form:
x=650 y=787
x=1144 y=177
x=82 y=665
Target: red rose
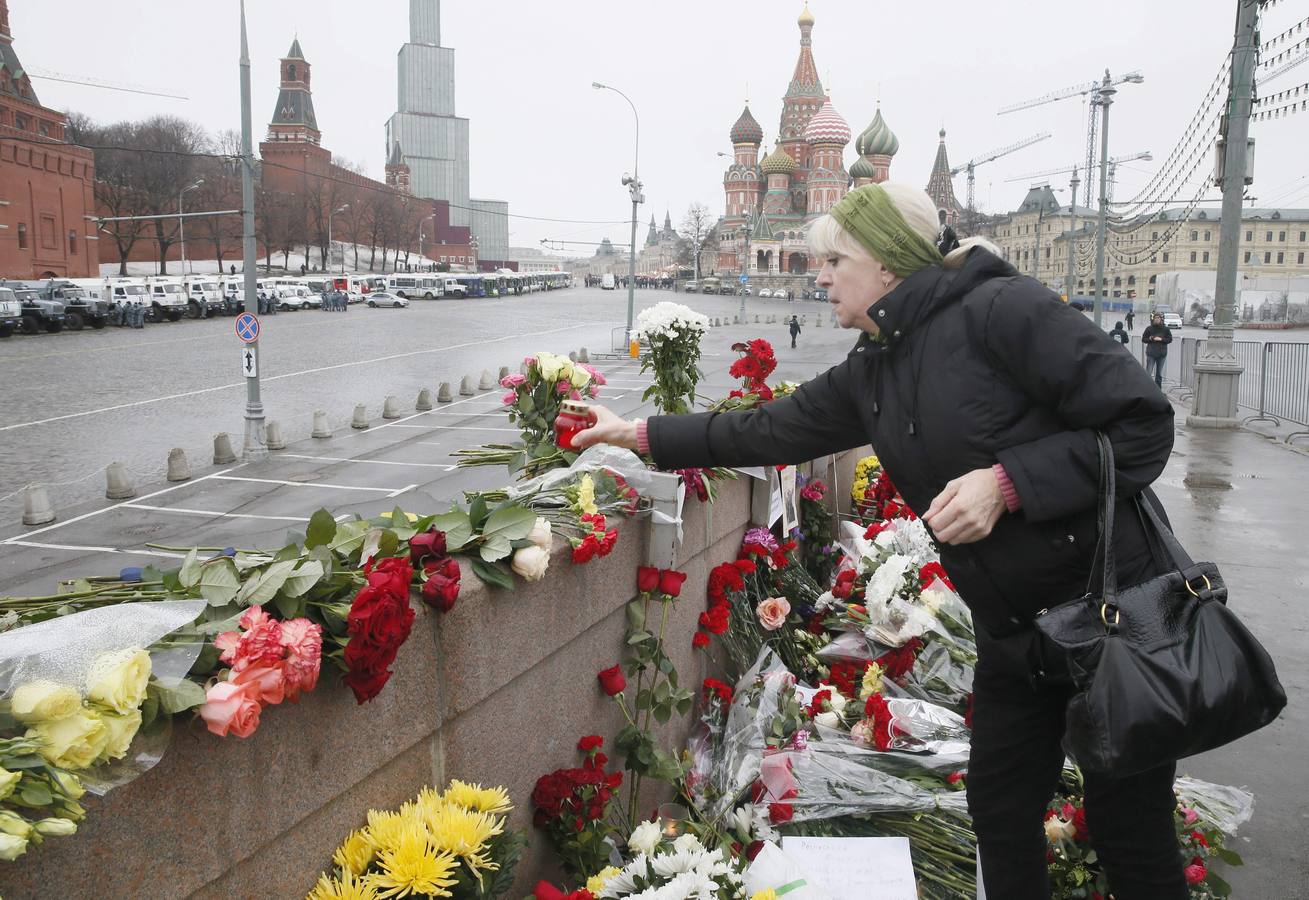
x=1196 y=871
x=612 y=681
x=392 y=574
x=367 y=683
x=590 y=742
x=700 y=640
x=441 y=592
x=429 y=543
x=780 y=812
x=954 y=777
x=670 y=582
x=647 y=579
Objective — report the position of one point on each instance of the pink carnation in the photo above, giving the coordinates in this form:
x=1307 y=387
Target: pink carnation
x=303 y=641
x=513 y=381
x=259 y=645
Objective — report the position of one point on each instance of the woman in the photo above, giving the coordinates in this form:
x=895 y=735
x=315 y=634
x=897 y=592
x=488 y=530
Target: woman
x=982 y=394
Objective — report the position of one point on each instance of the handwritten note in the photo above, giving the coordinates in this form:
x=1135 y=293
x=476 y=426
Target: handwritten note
x=864 y=868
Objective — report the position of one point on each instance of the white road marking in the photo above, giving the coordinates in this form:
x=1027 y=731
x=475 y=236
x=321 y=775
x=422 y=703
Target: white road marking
x=373 y=462
x=341 y=487
x=98 y=512
x=302 y=372
x=181 y=510
x=398 y=491
x=455 y=427
x=80 y=549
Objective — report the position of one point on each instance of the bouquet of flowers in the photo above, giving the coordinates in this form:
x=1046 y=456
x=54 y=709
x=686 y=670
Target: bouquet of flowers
x=817 y=541
x=440 y=844
x=676 y=868
x=756 y=363
x=576 y=806
x=673 y=333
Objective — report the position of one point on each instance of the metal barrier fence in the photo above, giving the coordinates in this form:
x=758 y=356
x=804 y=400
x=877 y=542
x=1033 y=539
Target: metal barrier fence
x=1274 y=383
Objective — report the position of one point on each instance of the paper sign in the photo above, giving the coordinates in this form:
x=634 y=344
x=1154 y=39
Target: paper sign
x=790 y=515
x=863 y=868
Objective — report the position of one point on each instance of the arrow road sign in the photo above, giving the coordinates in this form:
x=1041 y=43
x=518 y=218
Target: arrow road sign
x=249 y=363
x=247 y=328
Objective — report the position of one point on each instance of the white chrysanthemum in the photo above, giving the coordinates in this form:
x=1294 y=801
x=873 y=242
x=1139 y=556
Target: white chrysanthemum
x=626 y=881
x=886 y=580
x=688 y=843
x=742 y=818
x=668 y=320
x=824 y=601
x=666 y=865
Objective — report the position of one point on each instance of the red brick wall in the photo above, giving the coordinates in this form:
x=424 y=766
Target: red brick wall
x=48 y=188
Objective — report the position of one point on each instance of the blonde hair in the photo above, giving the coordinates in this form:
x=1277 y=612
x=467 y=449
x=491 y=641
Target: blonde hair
x=826 y=237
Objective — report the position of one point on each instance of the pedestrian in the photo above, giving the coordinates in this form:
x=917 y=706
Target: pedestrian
x=1156 y=338
x=970 y=380
x=1118 y=333
x=795 y=330
x=232 y=270
x=1131 y=317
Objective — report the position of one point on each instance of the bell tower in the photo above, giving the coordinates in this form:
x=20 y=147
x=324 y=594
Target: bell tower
x=293 y=118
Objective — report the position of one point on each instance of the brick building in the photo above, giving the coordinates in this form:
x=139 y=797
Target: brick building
x=46 y=184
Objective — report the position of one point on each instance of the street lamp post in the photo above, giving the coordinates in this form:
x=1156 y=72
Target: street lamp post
x=181 y=223
x=421 y=222
x=328 y=266
x=633 y=184
x=255 y=447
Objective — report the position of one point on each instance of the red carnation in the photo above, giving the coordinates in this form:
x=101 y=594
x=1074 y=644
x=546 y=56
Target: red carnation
x=745 y=566
x=590 y=742
x=670 y=582
x=700 y=640
x=612 y=681
x=713 y=688
x=647 y=579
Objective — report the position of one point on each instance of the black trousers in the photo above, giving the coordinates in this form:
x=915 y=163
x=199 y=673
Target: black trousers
x=1014 y=766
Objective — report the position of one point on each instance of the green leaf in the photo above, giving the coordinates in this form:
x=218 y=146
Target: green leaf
x=510 y=523
x=388 y=544
x=290 y=607
x=178 y=696
x=305 y=577
x=457 y=526
x=495 y=547
x=189 y=574
x=492 y=574
x=1231 y=857
x=289 y=552
x=1220 y=887
x=265 y=588
x=350 y=536
x=401 y=525
x=219 y=581
x=322 y=528
x=36 y=794
x=635 y=616
x=477 y=513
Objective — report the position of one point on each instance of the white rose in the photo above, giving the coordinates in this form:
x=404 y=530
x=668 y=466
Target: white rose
x=838 y=702
x=531 y=562
x=580 y=377
x=645 y=838
x=687 y=843
x=828 y=720
x=541 y=533
x=550 y=365
x=742 y=819
x=12 y=847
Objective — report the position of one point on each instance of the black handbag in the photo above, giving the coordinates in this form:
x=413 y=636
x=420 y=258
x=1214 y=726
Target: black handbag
x=1162 y=669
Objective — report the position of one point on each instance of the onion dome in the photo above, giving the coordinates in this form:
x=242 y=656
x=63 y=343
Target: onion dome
x=806 y=17
x=827 y=127
x=877 y=139
x=862 y=168
x=778 y=162
x=747 y=130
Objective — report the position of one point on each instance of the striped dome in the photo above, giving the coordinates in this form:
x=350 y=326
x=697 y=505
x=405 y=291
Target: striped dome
x=827 y=127
x=746 y=130
x=779 y=162
x=877 y=139
x=862 y=168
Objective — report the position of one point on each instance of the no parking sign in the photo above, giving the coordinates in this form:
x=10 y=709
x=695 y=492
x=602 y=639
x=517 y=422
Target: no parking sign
x=247 y=328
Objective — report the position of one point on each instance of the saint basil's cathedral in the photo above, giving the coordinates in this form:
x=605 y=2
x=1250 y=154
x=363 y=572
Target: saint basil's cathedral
x=771 y=200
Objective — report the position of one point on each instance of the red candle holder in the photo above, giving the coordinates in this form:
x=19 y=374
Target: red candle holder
x=574 y=417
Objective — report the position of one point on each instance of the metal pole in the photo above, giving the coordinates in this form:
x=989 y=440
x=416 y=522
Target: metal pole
x=1105 y=97
x=181 y=232
x=1072 y=233
x=1218 y=373
x=254 y=447
x=634 y=187
x=327 y=263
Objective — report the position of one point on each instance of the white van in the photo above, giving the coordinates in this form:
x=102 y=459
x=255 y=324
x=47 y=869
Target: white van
x=607 y=282
x=452 y=287
x=203 y=295
x=167 y=299
x=292 y=293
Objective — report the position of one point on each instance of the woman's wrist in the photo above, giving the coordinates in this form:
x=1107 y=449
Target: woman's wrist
x=640 y=437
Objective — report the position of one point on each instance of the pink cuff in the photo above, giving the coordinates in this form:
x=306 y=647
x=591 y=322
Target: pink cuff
x=1012 y=501
x=642 y=438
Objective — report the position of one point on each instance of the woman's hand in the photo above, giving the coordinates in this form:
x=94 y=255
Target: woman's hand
x=608 y=429
x=967 y=509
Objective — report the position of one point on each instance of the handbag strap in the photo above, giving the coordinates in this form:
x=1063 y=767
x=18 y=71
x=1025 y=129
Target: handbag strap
x=1177 y=553
x=1108 y=488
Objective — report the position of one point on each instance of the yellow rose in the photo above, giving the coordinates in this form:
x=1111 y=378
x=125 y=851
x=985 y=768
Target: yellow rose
x=37 y=701
x=14 y=824
x=580 y=377
x=12 y=847
x=119 y=731
x=8 y=781
x=55 y=827
x=550 y=365
x=596 y=883
x=118 y=680
x=73 y=742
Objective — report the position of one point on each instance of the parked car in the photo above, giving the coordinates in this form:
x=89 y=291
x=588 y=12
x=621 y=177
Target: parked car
x=746 y=292
x=382 y=298
x=1208 y=322
x=765 y=293
x=292 y=300
x=353 y=297
x=820 y=295
x=1172 y=320
x=691 y=287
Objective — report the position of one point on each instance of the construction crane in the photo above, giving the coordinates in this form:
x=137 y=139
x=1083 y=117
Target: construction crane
x=1113 y=170
x=1093 y=125
x=972 y=164
x=88 y=81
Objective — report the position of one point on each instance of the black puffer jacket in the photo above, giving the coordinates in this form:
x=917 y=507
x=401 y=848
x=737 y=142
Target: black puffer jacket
x=980 y=365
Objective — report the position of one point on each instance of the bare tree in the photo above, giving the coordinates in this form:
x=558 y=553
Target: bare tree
x=698 y=231
x=221 y=190
x=166 y=164
x=116 y=188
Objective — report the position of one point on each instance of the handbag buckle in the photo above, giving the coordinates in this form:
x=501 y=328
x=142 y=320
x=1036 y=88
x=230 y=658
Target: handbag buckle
x=1207 y=586
x=1104 y=616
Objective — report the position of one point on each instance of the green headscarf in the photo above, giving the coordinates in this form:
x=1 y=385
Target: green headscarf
x=872 y=218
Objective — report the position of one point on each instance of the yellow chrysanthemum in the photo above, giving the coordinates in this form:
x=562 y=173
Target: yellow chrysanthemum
x=414 y=866
x=385 y=828
x=477 y=798
x=348 y=887
x=596 y=883
x=765 y=894
x=428 y=801
x=586 y=496
x=465 y=833
x=872 y=683
x=355 y=853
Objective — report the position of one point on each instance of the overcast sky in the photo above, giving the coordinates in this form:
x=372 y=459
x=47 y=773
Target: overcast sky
x=552 y=146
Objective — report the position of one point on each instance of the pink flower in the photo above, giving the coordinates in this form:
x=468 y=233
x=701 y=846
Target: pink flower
x=513 y=381
x=594 y=391
x=1189 y=816
x=1196 y=871
x=773 y=612
x=268 y=682
x=563 y=387
x=595 y=374
x=303 y=641
x=259 y=645
x=529 y=360
x=231 y=707
x=509 y=399
x=573 y=394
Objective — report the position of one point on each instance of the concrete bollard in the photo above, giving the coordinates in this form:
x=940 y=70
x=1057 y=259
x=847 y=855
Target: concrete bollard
x=118 y=484
x=321 y=428
x=583 y=356
x=223 y=454
x=424 y=402
x=391 y=408
x=36 y=506
x=487 y=383
x=736 y=320
x=178 y=467
x=273 y=439
x=756 y=318
x=443 y=394
x=466 y=386
x=360 y=419
x=504 y=373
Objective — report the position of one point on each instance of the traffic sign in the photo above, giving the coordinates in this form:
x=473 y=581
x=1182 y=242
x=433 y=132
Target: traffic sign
x=249 y=363
x=745 y=279
x=247 y=327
